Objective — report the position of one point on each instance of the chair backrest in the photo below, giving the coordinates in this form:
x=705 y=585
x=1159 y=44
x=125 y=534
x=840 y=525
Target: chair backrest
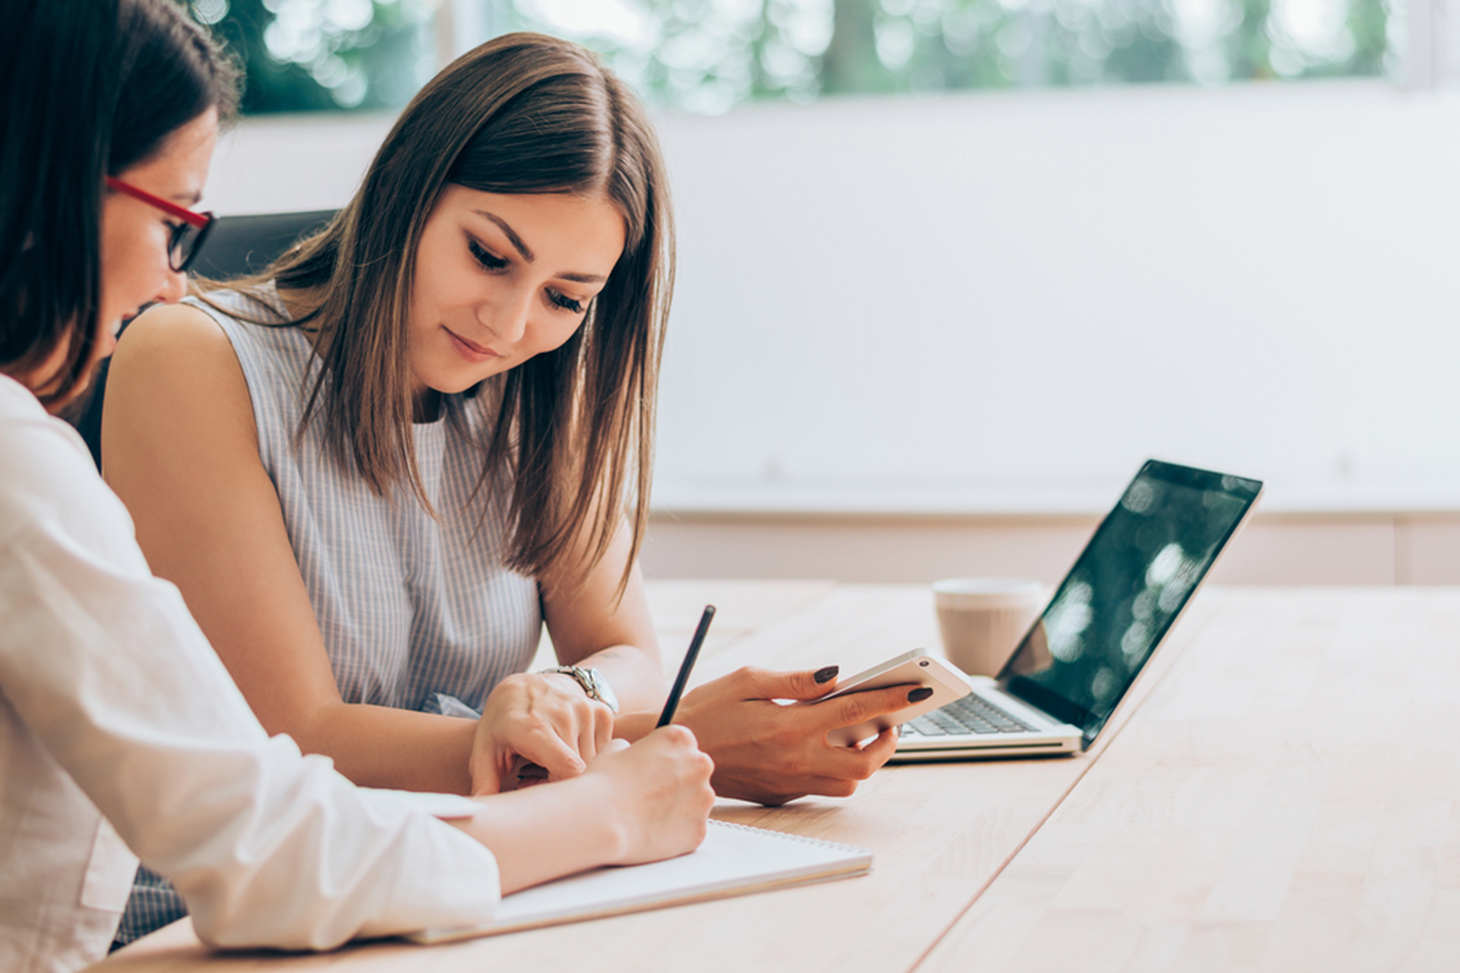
x=236 y=246
x=240 y=245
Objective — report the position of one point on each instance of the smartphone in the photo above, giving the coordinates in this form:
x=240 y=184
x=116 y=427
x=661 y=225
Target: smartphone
x=911 y=669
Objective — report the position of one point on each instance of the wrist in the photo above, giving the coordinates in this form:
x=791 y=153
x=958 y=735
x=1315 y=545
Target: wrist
x=634 y=726
x=547 y=832
x=561 y=679
x=593 y=683
x=606 y=821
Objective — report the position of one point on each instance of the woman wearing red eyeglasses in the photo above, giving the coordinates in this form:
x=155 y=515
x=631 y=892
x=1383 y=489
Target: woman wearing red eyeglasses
x=122 y=736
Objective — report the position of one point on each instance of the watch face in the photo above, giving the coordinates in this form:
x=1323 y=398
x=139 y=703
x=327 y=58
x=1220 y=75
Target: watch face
x=601 y=690
x=593 y=683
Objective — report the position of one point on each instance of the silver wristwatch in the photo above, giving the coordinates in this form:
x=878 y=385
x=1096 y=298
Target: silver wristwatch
x=592 y=682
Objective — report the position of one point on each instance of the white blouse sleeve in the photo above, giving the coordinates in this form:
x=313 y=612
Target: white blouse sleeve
x=107 y=668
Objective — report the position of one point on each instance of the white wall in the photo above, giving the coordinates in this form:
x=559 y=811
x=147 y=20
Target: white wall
x=1008 y=300
x=980 y=295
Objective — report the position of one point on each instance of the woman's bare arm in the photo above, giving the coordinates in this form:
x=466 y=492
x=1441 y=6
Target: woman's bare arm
x=181 y=450
x=545 y=718
x=591 y=625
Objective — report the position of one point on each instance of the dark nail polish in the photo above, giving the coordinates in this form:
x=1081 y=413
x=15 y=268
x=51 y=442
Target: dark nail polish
x=919 y=694
x=827 y=674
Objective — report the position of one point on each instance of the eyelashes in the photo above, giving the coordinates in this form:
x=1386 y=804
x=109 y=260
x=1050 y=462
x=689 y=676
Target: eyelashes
x=565 y=302
x=491 y=262
x=484 y=257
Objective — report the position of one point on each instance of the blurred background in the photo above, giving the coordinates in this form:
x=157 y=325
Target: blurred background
x=951 y=269
x=709 y=56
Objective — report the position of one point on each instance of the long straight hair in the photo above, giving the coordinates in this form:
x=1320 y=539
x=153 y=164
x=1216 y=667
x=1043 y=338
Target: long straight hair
x=569 y=431
x=87 y=88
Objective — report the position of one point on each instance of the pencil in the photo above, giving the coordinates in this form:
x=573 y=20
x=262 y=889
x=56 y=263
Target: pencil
x=672 y=703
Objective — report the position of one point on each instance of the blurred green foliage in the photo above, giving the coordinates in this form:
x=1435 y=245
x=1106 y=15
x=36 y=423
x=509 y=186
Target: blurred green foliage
x=708 y=55
x=324 y=55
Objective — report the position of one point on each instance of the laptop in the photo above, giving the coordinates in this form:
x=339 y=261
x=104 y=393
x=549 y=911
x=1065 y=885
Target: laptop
x=1126 y=590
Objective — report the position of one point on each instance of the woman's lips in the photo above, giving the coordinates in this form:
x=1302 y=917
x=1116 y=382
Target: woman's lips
x=470 y=350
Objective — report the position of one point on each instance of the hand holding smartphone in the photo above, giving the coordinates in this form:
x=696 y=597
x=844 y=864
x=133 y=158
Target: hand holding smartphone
x=915 y=668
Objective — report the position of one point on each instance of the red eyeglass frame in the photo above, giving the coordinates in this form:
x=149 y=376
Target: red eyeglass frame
x=201 y=221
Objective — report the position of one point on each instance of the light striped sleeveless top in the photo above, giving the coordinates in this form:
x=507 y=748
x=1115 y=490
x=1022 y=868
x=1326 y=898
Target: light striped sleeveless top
x=417 y=612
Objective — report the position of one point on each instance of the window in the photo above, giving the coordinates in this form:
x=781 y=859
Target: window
x=709 y=55
x=323 y=55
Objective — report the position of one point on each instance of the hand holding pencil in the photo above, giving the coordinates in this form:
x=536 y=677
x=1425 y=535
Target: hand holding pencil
x=666 y=776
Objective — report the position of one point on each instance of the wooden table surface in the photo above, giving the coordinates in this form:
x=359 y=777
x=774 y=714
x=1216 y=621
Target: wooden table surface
x=1281 y=791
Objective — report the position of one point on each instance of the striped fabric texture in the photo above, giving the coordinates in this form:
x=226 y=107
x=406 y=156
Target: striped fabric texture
x=417 y=612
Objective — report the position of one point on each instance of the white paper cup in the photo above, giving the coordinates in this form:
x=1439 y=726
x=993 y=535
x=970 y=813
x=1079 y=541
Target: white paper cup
x=982 y=620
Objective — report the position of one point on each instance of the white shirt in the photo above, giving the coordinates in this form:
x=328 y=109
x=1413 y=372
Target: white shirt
x=122 y=734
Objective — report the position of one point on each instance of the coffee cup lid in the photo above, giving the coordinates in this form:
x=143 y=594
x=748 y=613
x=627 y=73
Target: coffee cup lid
x=986 y=591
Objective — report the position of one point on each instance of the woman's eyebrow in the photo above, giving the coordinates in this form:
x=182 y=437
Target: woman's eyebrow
x=527 y=253
x=512 y=236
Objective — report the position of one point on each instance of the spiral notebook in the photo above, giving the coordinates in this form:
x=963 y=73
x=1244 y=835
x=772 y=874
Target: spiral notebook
x=733 y=860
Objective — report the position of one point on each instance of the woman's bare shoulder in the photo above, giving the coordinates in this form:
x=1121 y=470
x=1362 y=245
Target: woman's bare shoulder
x=174 y=368
x=172 y=336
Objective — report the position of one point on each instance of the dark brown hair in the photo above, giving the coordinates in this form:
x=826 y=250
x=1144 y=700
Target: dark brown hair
x=570 y=430
x=87 y=88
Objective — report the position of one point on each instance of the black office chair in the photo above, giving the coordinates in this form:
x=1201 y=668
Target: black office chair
x=240 y=245
x=236 y=246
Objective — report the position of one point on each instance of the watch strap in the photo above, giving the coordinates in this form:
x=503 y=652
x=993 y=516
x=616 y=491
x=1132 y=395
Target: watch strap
x=591 y=681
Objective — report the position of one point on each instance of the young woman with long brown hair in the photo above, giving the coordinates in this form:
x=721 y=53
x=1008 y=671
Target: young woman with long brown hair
x=377 y=469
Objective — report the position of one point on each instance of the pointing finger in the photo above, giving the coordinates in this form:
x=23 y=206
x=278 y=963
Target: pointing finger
x=800 y=684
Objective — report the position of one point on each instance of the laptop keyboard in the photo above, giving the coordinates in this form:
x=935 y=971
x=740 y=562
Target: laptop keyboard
x=971 y=714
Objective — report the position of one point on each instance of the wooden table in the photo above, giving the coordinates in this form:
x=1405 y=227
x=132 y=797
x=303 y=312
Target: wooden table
x=1281 y=791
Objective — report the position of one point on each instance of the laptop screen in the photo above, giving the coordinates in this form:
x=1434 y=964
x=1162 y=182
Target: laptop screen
x=1129 y=584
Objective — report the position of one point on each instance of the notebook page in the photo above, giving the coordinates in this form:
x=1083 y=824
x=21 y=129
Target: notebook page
x=734 y=859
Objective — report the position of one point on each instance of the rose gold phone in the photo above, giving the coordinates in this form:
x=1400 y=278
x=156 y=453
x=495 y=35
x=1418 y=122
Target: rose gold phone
x=911 y=669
